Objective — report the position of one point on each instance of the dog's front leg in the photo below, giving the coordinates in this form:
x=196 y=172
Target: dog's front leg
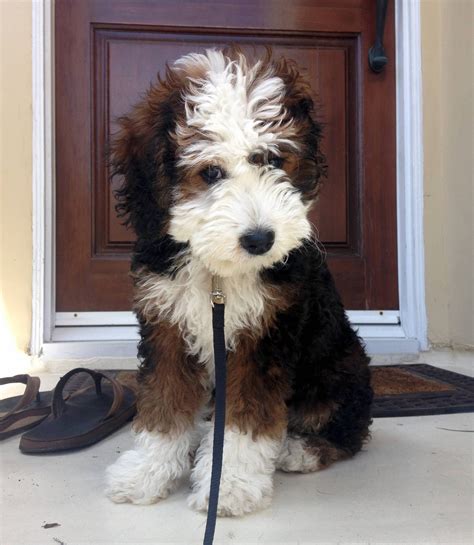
x=256 y=423
x=167 y=428
x=150 y=471
x=247 y=473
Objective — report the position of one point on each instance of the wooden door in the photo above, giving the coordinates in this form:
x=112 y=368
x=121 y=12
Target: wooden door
x=107 y=53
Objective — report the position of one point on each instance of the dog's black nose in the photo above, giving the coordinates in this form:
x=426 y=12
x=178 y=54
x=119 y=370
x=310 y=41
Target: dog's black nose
x=258 y=241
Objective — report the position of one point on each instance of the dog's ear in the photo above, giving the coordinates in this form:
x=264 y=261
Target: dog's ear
x=143 y=154
x=299 y=105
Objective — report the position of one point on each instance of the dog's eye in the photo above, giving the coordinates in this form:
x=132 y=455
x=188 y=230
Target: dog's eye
x=255 y=159
x=275 y=161
x=212 y=174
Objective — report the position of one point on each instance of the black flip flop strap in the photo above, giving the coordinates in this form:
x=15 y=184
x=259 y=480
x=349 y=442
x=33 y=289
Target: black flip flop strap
x=59 y=406
x=29 y=395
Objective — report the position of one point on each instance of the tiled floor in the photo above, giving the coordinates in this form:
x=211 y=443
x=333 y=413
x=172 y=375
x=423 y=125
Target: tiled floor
x=412 y=485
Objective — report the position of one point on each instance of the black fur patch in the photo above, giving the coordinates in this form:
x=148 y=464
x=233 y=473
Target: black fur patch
x=324 y=357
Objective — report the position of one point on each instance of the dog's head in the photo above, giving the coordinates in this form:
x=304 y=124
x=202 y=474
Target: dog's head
x=223 y=156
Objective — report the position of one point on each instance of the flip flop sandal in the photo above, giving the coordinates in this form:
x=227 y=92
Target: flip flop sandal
x=22 y=412
x=88 y=416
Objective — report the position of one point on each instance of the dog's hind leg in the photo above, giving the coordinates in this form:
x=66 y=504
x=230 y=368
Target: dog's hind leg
x=305 y=454
x=322 y=433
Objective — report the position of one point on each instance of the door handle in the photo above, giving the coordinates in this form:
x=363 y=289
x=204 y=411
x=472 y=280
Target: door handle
x=377 y=57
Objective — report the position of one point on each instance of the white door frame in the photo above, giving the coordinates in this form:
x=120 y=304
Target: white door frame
x=114 y=334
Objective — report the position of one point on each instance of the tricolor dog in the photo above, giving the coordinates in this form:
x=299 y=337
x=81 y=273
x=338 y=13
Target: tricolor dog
x=221 y=163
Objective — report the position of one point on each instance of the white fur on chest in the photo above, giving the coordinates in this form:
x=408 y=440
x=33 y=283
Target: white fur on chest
x=185 y=301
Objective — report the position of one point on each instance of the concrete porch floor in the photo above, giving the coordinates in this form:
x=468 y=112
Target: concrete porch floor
x=412 y=485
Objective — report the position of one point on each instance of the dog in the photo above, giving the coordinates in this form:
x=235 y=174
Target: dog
x=221 y=163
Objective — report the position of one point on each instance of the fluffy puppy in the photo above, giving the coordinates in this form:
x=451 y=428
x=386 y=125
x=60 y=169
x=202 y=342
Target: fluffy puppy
x=221 y=162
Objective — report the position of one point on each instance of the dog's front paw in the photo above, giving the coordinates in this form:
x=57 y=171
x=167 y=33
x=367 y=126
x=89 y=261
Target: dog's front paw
x=239 y=494
x=132 y=479
x=247 y=476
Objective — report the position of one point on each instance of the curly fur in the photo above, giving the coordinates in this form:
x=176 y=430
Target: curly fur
x=298 y=387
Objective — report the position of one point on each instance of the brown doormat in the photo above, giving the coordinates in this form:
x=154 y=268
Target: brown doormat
x=420 y=389
x=400 y=390
x=403 y=390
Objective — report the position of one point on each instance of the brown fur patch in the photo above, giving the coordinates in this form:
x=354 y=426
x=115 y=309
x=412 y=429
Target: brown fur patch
x=255 y=397
x=311 y=419
x=144 y=153
x=307 y=167
x=325 y=451
x=191 y=186
x=171 y=395
x=291 y=164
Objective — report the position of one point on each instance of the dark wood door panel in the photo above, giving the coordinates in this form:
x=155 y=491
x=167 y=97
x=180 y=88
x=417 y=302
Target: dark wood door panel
x=127 y=63
x=113 y=53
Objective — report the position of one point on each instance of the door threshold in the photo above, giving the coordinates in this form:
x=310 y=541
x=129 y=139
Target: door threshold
x=63 y=356
x=115 y=335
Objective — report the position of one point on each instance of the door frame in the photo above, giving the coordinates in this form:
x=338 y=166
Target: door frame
x=114 y=334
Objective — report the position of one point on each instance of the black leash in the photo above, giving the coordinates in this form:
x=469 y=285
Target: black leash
x=218 y=306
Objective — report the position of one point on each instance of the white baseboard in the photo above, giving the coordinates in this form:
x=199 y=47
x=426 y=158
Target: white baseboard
x=115 y=335
x=459 y=361
x=62 y=356
x=119 y=349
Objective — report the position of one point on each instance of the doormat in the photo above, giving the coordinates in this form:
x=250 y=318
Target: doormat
x=400 y=390
x=420 y=389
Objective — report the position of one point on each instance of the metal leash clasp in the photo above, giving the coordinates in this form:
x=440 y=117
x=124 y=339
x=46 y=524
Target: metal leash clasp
x=217 y=293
